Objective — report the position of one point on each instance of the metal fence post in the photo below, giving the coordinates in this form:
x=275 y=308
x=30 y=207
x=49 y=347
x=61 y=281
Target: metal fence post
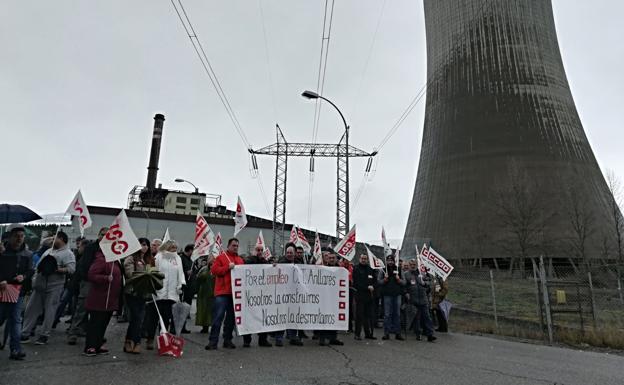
x=494 y=299
x=591 y=297
x=538 y=302
x=546 y=300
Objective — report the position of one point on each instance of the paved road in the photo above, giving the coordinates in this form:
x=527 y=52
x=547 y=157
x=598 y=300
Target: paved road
x=453 y=359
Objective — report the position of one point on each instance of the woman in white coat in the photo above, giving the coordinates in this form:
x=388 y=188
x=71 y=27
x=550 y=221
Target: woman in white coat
x=167 y=262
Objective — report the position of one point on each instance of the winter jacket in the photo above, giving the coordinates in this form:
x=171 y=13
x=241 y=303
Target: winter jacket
x=255 y=260
x=14 y=263
x=104 y=294
x=64 y=259
x=363 y=277
x=440 y=290
x=221 y=270
x=83 y=266
x=417 y=288
x=170 y=265
x=132 y=264
x=392 y=287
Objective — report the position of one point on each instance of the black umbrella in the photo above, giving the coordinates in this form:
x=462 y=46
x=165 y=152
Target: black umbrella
x=17 y=214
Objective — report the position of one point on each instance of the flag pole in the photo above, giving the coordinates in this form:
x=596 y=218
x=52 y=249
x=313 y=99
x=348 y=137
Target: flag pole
x=110 y=280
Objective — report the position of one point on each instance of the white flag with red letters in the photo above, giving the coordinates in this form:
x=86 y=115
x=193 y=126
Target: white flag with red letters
x=346 y=247
x=373 y=261
x=386 y=245
x=204 y=237
x=216 y=247
x=78 y=207
x=119 y=241
x=317 y=253
x=435 y=262
x=240 y=219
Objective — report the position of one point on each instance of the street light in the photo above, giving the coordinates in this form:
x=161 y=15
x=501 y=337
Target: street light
x=180 y=180
x=313 y=95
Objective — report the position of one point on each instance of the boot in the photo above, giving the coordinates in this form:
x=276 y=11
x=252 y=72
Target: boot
x=136 y=349
x=128 y=346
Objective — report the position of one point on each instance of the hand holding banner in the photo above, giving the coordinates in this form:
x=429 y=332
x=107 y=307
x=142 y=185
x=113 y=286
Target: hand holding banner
x=119 y=241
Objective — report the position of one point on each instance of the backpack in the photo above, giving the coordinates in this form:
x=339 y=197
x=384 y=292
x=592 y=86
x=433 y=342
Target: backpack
x=47 y=266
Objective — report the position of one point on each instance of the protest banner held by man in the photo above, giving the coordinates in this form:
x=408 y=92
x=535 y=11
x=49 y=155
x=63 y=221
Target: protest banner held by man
x=291 y=334
x=255 y=259
x=223 y=307
x=364 y=283
x=330 y=336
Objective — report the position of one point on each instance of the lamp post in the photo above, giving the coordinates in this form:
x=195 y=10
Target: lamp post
x=340 y=231
x=180 y=180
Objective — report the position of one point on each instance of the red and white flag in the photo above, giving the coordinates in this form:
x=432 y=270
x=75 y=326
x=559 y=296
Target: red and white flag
x=267 y=253
x=293 y=235
x=260 y=240
x=346 y=247
x=204 y=237
x=373 y=261
x=216 y=248
x=240 y=219
x=166 y=237
x=317 y=253
x=421 y=267
x=78 y=207
x=396 y=260
x=386 y=245
x=435 y=262
x=119 y=241
x=303 y=241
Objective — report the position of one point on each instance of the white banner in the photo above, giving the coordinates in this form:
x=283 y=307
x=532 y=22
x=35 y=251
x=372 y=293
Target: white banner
x=435 y=262
x=286 y=296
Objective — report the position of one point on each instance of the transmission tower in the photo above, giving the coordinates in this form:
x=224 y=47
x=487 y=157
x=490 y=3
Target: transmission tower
x=282 y=149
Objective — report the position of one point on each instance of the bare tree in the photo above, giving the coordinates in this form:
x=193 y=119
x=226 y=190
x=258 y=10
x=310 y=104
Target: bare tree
x=581 y=224
x=523 y=212
x=615 y=199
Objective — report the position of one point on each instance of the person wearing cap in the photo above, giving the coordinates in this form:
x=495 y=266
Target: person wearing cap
x=391 y=284
x=48 y=284
x=15 y=270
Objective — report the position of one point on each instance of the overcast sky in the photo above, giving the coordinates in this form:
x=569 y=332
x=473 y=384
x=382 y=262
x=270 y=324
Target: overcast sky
x=81 y=81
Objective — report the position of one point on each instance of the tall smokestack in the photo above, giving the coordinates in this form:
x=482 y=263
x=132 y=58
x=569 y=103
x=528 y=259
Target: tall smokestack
x=152 y=168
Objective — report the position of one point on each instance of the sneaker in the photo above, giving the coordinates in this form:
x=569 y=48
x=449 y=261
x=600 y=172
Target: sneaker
x=25 y=339
x=211 y=347
x=102 y=351
x=229 y=345
x=17 y=356
x=42 y=340
x=336 y=342
x=72 y=340
x=296 y=342
x=399 y=337
x=431 y=338
x=204 y=330
x=385 y=337
x=91 y=352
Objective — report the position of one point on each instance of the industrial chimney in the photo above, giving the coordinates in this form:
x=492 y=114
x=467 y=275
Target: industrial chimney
x=152 y=168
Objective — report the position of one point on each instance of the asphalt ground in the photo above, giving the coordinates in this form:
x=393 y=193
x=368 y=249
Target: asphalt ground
x=453 y=359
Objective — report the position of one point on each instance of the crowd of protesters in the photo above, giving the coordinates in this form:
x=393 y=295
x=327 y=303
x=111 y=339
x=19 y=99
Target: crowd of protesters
x=56 y=281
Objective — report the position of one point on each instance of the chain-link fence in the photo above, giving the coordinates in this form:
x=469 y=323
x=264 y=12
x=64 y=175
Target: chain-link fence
x=553 y=300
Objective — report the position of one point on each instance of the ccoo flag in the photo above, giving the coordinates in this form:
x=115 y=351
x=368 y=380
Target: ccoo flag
x=119 y=241
x=204 y=237
x=346 y=247
x=78 y=207
x=373 y=261
x=240 y=219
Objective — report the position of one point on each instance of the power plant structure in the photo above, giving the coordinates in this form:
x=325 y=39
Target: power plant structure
x=504 y=157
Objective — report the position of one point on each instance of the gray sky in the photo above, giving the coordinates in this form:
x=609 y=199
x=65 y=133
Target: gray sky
x=81 y=81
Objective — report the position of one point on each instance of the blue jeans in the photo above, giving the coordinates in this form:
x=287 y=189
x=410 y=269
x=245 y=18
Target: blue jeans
x=66 y=299
x=291 y=334
x=392 y=314
x=222 y=307
x=11 y=312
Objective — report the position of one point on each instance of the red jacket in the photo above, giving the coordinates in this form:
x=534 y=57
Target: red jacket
x=100 y=290
x=221 y=270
